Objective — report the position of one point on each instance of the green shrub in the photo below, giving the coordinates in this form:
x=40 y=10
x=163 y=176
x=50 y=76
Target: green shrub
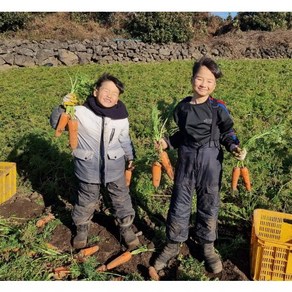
x=81 y=17
x=160 y=27
x=266 y=21
x=13 y=21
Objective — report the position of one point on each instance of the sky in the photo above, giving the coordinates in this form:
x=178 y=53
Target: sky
x=145 y=5
x=224 y=14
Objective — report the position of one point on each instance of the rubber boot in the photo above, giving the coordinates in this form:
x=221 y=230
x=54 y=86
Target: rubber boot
x=80 y=240
x=127 y=234
x=212 y=260
x=170 y=251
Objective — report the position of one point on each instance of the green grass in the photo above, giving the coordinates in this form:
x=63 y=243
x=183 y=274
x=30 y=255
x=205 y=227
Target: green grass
x=257 y=93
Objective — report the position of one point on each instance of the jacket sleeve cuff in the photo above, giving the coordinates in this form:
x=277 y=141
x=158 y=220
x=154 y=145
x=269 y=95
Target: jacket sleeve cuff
x=232 y=147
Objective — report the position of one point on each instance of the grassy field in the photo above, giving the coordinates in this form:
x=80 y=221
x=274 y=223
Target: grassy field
x=257 y=93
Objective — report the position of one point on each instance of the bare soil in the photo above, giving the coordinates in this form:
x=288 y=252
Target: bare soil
x=25 y=207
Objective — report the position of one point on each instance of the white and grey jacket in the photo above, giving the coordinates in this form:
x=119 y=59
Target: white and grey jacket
x=104 y=145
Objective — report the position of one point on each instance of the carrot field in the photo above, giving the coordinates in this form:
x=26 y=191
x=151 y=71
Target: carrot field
x=257 y=93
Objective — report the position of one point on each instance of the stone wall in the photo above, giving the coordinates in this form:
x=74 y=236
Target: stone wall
x=21 y=53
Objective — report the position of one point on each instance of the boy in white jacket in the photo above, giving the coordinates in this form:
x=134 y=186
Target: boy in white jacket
x=104 y=151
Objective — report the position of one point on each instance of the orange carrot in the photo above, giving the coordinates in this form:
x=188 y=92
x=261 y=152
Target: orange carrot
x=153 y=274
x=51 y=246
x=63 y=121
x=245 y=176
x=128 y=176
x=235 y=178
x=101 y=268
x=43 y=221
x=88 y=251
x=73 y=133
x=61 y=272
x=156 y=173
x=165 y=161
x=121 y=259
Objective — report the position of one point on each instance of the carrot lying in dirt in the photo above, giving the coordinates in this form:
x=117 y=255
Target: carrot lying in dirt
x=46 y=219
x=51 y=246
x=63 y=121
x=153 y=274
x=165 y=161
x=86 y=252
x=156 y=173
x=122 y=259
x=235 y=177
x=246 y=178
x=61 y=272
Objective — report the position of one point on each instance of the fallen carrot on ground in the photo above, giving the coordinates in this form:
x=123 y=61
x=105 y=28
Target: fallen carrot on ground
x=51 y=246
x=86 y=252
x=101 y=268
x=153 y=274
x=61 y=272
x=43 y=221
x=121 y=259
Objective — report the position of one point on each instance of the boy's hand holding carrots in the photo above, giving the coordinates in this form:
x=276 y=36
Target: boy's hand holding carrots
x=161 y=144
x=70 y=99
x=130 y=165
x=239 y=153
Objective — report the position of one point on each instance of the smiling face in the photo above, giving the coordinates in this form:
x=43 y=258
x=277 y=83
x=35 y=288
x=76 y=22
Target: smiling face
x=204 y=83
x=107 y=94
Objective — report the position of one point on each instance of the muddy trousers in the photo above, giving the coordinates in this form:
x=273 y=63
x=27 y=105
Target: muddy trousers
x=198 y=170
x=89 y=195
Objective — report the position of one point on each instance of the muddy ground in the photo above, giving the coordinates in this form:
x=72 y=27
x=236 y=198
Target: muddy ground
x=23 y=206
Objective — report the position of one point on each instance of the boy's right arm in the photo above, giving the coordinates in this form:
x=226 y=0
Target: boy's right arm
x=174 y=140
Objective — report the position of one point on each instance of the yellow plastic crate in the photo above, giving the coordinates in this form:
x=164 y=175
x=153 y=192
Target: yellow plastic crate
x=271 y=246
x=7 y=180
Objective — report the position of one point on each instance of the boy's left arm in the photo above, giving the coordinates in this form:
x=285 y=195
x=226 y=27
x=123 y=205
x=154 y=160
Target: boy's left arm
x=228 y=137
x=126 y=143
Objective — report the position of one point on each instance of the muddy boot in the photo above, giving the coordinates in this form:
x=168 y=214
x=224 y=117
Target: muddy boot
x=80 y=240
x=127 y=234
x=170 y=251
x=212 y=260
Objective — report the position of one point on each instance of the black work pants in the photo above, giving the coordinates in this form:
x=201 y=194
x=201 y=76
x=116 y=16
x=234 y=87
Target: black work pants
x=89 y=195
x=198 y=170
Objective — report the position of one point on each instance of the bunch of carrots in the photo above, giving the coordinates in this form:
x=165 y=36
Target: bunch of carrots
x=68 y=119
x=237 y=172
x=243 y=171
x=162 y=161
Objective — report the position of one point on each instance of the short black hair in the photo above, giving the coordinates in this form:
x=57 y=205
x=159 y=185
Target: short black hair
x=108 y=77
x=210 y=64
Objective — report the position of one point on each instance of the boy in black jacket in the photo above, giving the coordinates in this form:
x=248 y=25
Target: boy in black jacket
x=204 y=124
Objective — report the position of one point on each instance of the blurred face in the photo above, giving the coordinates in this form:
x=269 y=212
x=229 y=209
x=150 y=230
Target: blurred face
x=204 y=83
x=107 y=94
